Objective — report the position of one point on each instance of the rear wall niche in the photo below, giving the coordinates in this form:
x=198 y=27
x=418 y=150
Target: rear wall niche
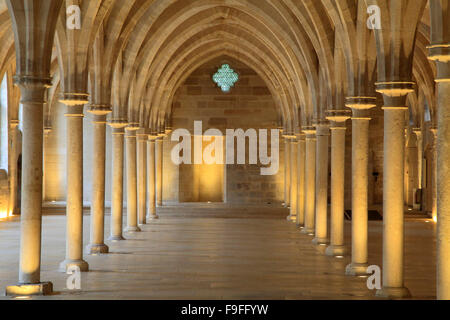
x=249 y=104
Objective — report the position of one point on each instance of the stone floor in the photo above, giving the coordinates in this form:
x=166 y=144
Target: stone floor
x=218 y=253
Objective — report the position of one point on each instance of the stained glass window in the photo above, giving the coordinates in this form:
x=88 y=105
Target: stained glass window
x=225 y=78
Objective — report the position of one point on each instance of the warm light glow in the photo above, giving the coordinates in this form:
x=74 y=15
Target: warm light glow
x=339 y=257
x=4 y=215
x=22 y=298
x=435 y=218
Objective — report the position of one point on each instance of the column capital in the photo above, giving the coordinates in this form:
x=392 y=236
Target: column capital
x=417 y=132
x=439 y=52
x=32 y=89
x=310 y=132
x=338 y=118
x=32 y=81
x=74 y=99
x=99 y=109
x=47 y=130
x=118 y=123
x=434 y=131
x=14 y=123
x=361 y=102
x=394 y=93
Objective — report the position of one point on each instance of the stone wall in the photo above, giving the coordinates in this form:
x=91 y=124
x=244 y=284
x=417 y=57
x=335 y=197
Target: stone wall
x=248 y=105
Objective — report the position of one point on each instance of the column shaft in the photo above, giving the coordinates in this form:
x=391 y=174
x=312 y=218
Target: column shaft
x=117 y=184
x=310 y=183
x=321 y=227
x=360 y=165
x=151 y=183
x=74 y=232
x=287 y=172
x=159 y=170
x=336 y=247
x=97 y=230
x=393 y=203
x=443 y=195
x=31 y=207
x=301 y=182
x=294 y=180
x=132 y=219
x=142 y=178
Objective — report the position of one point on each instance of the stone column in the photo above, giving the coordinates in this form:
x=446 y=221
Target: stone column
x=132 y=219
x=441 y=54
x=310 y=180
x=419 y=136
x=338 y=130
x=142 y=138
x=294 y=179
x=13 y=183
x=287 y=171
x=301 y=180
x=118 y=134
x=394 y=94
x=321 y=228
x=32 y=99
x=159 y=149
x=434 y=176
x=74 y=233
x=360 y=179
x=151 y=175
x=97 y=244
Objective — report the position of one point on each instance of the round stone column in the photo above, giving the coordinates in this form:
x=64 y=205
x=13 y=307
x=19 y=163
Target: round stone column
x=419 y=136
x=360 y=180
x=441 y=54
x=394 y=94
x=310 y=180
x=434 y=175
x=321 y=227
x=159 y=149
x=97 y=231
x=132 y=219
x=287 y=171
x=74 y=218
x=151 y=175
x=294 y=179
x=142 y=139
x=338 y=130
x=32 y=99
x=301 y=180
x=118 y=134
x=13 y=183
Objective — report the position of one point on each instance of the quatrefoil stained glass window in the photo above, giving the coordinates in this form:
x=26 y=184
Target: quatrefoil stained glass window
x=225 y=78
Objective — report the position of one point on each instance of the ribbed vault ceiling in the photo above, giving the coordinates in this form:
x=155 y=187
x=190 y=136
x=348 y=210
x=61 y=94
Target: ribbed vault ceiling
x=133 y=55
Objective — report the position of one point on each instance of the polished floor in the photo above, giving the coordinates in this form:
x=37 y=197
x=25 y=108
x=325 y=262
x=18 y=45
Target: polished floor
x=202 y=252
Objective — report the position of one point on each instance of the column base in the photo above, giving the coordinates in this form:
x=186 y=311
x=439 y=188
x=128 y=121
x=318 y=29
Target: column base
x=116 y=238
x=35 y=289
x=308 y=231
x=393 y=293
x=153 y=217
x=133 y=229
x=291 y=218
x=66 y=264
x=300 y=226
x=320 y=241
x=356 y=269
x=94 y=249
x=336 y=251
